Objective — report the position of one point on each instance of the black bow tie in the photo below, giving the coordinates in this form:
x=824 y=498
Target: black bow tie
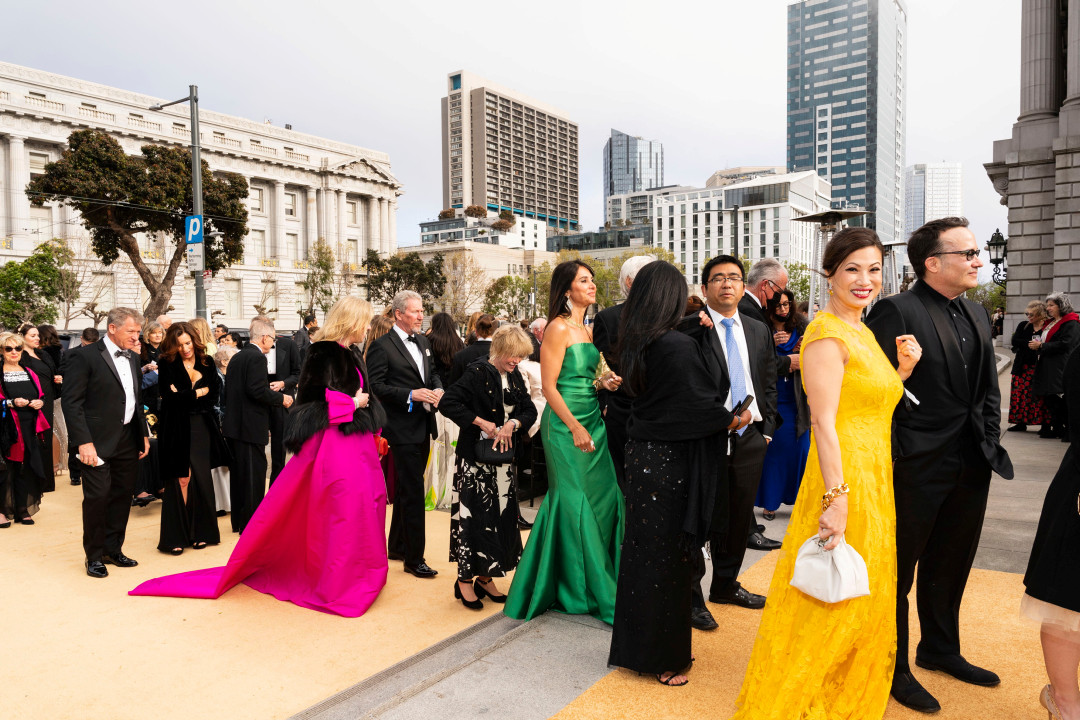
x=122 y=353
x=412 y=339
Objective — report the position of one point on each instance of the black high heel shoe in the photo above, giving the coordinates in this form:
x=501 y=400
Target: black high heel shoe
x=471 y=604
x=481 y=593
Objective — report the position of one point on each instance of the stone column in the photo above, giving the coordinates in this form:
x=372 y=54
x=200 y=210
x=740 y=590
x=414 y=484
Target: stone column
x=18 y=178
x=391 y=239
x=277 y=232
x=312 y=219
x=1040 y=43
x=373 y=235
x=384 y=226
x=342 y=220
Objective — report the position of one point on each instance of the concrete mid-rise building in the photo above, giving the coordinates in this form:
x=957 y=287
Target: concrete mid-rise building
x=301 y=188
x=505 y=151
x=637 y=207
x=631 y=165
x=932 y=191
x=525 y=233
x=845 y=103
x=730 y=176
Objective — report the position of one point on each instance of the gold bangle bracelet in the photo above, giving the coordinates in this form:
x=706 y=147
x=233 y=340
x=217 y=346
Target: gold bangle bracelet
x=828 y=497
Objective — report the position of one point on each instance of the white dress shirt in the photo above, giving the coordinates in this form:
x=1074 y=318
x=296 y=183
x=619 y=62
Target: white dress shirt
x=740 y=340
x=123 y=369
x=530 y=370
x=413 y=349
x=271 y=360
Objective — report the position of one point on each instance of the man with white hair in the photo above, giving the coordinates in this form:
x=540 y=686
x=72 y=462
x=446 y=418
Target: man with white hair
x=615 y=406
x=403 y=377
x=536 y=334
x=764 y=283
x=249 y=401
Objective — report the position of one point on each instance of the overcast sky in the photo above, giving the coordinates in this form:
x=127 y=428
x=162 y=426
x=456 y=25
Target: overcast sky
x=705 y=78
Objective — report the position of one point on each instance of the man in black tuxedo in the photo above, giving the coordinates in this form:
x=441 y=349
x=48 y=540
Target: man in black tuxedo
x=615 y=406
x=944 y=448
x=764 y=283
x=105 y=422
x=734 y=333
x=283 y=373
x=302 y=338
x=249 y=406
x=403 y=378
x=89 y=337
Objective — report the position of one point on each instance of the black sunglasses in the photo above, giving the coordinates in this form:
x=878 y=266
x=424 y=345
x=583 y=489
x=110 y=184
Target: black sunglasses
x=9 y=348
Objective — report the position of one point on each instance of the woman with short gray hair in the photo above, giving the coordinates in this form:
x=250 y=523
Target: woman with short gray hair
x=1025 y=407
x=1054 y=345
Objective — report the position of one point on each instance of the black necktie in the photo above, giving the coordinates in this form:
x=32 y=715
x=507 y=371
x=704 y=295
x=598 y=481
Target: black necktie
x=122 y=353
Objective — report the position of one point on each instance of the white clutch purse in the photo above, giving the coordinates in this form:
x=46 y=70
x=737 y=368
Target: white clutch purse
x=830 y=575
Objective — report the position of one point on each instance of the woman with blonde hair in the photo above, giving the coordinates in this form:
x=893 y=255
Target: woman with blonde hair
x=318 y=538
x=205 y=335
x=22 y=400
x=379 y=327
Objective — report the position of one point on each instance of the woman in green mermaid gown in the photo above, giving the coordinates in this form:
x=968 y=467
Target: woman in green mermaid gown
x=571 y=559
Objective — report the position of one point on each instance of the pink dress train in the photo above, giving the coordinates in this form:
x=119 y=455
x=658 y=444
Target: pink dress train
x=316 y=540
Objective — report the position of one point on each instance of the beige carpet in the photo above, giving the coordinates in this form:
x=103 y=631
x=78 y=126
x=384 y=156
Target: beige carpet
x=992 y=632
x=77 y=647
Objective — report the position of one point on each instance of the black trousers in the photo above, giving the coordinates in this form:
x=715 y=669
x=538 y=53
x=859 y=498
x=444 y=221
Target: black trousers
x=107 y=493
x=277 y=441
x=75 y=465
x=407 y=529
x=939 y=517
x=729 y=548
x=615 y=420
x=247 y=481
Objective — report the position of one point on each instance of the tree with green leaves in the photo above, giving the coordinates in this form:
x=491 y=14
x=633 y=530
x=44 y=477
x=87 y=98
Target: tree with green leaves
x=29 y=289
x=119 y=197
x=318 y=284
x=990 y=295
x=404 y=271
x=798 y=280
x=508 y=296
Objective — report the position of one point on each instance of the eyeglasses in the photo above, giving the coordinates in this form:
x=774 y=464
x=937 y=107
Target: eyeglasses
x=783 y=305
x=9 y=348
x=775 y=286
x=969 y=255
x=729 y=279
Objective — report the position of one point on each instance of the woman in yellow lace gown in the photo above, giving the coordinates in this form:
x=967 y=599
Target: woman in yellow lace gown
x=814 y=660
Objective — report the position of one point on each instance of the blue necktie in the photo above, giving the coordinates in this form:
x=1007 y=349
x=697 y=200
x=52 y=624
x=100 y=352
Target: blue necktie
x=734 y=364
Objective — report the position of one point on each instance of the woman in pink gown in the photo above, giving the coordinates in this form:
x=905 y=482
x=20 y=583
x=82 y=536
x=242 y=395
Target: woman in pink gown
x=317 y=539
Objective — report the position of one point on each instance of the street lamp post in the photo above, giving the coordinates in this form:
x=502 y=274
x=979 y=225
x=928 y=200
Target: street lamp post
x=196 y=182
x=998 y=247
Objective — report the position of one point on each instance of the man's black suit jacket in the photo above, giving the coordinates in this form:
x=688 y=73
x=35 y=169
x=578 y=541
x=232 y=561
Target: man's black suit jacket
x=248 y=397
x=93 y=399
x=288 y=359
x=950 y=401
x=606 y=338
x=394 y=375
x=747 y=306
x=762 y=361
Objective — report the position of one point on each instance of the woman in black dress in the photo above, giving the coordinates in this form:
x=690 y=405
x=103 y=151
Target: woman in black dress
x=439 y=475
x=1025 y=407
x=674 y=461
x=189 y=442
x=491 y=397
x=41 y=363
x=1054 y=344
x=51 y=346
x=22 y=422
x=1053 y=572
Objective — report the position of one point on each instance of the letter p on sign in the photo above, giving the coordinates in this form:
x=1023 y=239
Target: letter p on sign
x=193 y=229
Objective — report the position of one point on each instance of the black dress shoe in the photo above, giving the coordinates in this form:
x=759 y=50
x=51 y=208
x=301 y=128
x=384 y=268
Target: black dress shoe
x=119 y=560
x=523 y=524
x=96 y=569
x=757 y=541
x=741 y=597
x=421 y=570
x=394 y=556
x=76 y=481
x=1018 y=427
x=702 y=619
x=759 y=528
x=907 y=691
x=960 y=669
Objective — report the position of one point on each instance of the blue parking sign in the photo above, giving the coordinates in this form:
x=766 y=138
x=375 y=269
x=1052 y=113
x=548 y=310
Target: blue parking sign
x=193 y=229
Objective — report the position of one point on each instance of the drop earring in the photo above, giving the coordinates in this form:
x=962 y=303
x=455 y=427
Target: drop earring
x=569 y=305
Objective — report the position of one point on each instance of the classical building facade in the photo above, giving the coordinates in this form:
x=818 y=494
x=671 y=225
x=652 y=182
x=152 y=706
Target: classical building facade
x=302 y=188
x=1037 y=170
x=505 y=151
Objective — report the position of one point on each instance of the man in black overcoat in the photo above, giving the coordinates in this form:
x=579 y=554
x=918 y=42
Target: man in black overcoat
x=249 y=404
x=945 y=444
x=403 y=378
x=615 y=406
x=722 y=284
x=283 y=374
x=105 y=422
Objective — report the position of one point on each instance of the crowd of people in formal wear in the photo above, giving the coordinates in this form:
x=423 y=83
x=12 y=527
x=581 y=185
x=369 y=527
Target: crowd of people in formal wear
x=663 y=424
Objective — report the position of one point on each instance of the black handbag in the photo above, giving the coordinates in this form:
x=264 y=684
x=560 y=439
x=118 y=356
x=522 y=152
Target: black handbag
x=487 y=455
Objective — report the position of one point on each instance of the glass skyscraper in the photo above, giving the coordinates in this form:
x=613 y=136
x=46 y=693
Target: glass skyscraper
x=631 y=164
x=845 y=103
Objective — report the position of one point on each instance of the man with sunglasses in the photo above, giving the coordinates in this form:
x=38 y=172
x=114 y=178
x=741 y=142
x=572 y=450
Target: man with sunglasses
x=945 y=444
